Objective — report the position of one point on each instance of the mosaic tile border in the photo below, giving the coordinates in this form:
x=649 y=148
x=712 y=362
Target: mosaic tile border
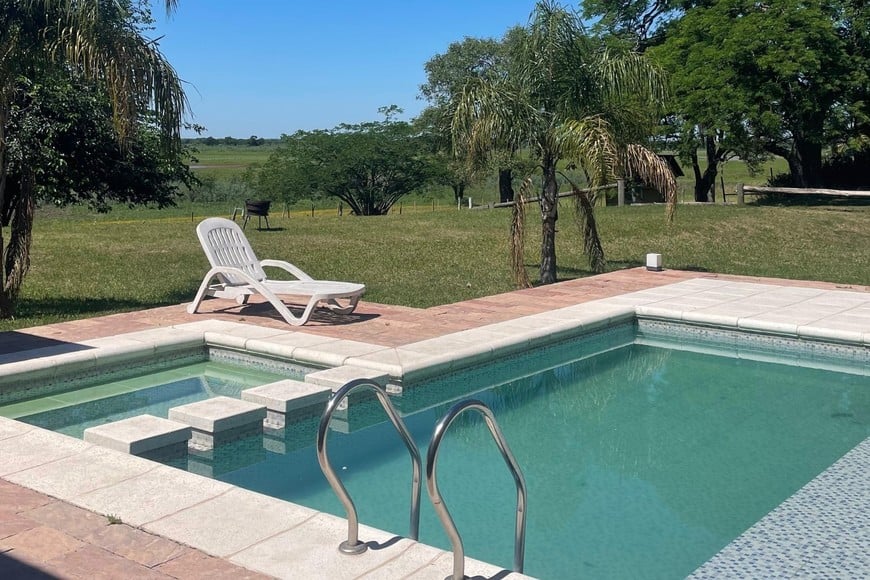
x=793 y=351
x=293 y=370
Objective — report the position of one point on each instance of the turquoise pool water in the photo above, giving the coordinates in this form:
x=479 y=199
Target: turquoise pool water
x=640 y=461
x=154 y=393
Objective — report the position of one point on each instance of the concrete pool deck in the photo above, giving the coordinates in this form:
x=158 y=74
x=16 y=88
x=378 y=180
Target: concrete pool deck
x=802 y=309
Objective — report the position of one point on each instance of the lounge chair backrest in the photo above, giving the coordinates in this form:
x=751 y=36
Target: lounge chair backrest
x=226 y=245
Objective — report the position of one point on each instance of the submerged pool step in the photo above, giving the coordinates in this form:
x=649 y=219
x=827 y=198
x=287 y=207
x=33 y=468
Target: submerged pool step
x=219 y=420
x=287 y=397
x=143 y=435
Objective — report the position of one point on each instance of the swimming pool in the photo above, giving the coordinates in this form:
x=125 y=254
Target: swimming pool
x=284 y=540
x=639 y=461
x=638 y=458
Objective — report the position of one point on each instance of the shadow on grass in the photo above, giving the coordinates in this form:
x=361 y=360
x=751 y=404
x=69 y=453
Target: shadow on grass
x=564 y=273
x=812 y=201
x=59 y=307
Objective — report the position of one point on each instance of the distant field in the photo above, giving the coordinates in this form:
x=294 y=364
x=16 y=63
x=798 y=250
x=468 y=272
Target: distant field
x=227 y=163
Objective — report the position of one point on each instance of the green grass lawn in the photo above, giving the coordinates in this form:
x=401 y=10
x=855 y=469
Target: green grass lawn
x=87 y=265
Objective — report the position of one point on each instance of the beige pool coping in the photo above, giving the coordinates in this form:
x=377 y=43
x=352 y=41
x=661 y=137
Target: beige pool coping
x=279 y=539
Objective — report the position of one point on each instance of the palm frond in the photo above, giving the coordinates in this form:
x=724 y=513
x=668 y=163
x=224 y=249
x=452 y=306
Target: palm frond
x=135 y=73
x=518 y=236
x=584 y=212
x=489 y=115
x=644 y=164
x=590 y=144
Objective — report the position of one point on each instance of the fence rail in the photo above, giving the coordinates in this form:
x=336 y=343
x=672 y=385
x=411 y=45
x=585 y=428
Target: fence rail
x=620 y=187
x=743 y=190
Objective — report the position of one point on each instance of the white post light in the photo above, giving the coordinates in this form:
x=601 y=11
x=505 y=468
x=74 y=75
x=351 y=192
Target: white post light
x=654 y=262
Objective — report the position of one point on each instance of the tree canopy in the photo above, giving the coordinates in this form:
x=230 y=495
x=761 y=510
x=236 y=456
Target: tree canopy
x=783 y=77
x=368 y=166
x=64 y=62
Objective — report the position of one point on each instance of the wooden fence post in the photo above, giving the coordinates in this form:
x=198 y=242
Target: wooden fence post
x=620 y=192
x=739 y=194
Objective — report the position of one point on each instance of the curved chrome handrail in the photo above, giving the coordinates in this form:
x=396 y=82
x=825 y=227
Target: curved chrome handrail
x=352 y=545
x=438 y=501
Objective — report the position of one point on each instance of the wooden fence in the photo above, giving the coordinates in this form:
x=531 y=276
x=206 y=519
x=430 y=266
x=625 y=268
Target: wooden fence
x=744 y=190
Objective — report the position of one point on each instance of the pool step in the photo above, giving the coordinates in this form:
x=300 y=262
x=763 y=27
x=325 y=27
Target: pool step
x=287 y=397
x=144 y=435
x=219 y=420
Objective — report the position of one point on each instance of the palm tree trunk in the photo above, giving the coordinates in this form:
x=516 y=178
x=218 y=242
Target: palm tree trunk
x=549 y=215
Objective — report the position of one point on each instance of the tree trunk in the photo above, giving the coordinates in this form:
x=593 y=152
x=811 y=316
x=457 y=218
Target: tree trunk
x=505 y=185
x=16 y=261
x=705 y=182
x=805 y=163
x=6 y=306
x=549 y=215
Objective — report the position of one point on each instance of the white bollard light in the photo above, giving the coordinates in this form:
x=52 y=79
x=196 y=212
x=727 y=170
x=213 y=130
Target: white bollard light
x=654 y=262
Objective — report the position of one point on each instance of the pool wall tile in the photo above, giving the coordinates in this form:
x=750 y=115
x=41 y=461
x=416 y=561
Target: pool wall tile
x=231 y=522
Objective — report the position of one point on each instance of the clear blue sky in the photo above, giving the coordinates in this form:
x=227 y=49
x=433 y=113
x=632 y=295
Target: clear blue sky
x=267 y=67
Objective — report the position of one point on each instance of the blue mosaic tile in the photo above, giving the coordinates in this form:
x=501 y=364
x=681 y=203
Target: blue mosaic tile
x=822 y=531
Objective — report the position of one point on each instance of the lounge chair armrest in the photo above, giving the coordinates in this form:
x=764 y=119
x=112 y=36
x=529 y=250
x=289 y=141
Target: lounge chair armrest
x=288 y=267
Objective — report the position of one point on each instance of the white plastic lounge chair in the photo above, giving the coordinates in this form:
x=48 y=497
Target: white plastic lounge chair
x=239 y=274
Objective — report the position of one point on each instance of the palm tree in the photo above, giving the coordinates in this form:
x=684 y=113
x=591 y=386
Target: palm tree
x=568 y=98
x=97 y=40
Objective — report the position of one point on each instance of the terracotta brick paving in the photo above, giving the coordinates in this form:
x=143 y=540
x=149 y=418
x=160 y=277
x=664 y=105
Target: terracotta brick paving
x=41 y=537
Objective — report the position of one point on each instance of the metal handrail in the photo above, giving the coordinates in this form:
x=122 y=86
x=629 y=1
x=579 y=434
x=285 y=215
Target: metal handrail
x=352 y=545
x=438 y=501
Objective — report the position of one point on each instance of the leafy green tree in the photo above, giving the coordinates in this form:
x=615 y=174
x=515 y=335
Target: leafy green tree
x=64 y=129
x=641 y=23
x=368 y=166
x=99 y=40
x=785 y=77
x=777 y=69
x=568 y=99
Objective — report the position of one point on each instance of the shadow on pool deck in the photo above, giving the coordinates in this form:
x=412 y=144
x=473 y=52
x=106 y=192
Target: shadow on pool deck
x=15 y=346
